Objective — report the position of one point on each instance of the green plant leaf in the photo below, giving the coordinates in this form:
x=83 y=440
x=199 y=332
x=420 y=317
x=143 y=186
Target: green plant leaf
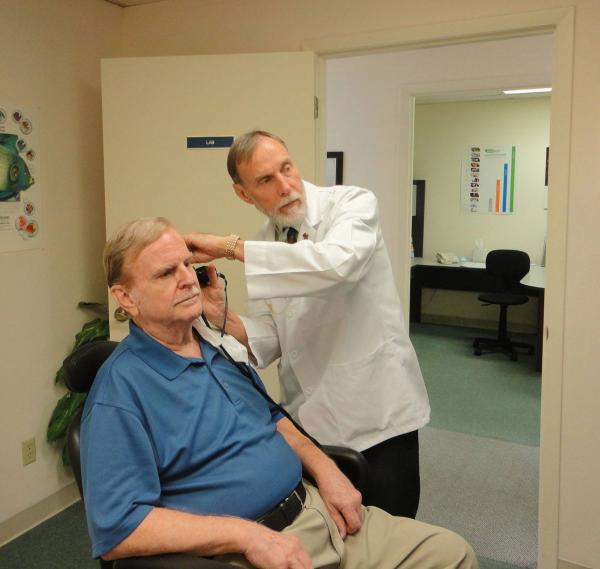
x=65 y=410
x=96 y=329
x=60 y=376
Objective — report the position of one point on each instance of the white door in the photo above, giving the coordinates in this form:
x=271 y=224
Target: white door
x=151 y=106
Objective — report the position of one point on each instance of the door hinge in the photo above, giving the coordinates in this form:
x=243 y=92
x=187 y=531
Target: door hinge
x=316 y=107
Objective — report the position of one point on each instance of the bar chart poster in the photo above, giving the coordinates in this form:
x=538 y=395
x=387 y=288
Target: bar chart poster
x=488 y=180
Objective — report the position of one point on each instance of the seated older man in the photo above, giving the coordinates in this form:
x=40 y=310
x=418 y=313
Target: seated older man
x=180 y=452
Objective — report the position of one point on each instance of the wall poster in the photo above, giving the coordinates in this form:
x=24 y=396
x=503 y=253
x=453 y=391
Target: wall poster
x=488 y=180
x=20 y=193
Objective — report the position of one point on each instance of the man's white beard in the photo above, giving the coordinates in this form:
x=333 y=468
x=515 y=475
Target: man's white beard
x=291 y=220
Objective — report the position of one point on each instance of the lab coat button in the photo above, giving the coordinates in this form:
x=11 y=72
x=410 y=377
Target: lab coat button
x=294 y=354
x=291 y=313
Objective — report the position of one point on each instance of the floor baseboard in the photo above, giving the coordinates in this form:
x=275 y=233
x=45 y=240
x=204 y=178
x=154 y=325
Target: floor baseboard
x=27 y=519
x=562 y=564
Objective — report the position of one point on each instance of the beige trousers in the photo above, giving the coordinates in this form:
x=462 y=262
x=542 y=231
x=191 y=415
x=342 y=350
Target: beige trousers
x=383 y=542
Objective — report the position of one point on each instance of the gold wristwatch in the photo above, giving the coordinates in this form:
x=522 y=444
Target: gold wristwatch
x=230 y=246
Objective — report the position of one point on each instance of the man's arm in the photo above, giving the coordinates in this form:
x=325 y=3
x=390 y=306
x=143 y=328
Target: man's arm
x=206 y=247
x=342 y=499
x=171 y=531
x=340 y=259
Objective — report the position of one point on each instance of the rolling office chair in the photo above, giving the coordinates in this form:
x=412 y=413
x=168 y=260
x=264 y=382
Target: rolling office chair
x=507 y=267
x=80 y=371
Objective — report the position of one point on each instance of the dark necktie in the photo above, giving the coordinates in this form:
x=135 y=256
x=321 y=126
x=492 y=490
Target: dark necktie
x=291 y=235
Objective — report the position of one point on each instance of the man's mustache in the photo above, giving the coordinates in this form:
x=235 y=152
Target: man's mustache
x=194 y=291
x=289 y=199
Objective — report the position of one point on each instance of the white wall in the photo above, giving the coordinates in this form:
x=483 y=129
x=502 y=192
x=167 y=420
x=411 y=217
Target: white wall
x=51 y=53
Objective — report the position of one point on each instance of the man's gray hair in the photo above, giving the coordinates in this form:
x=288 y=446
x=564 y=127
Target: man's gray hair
x=127 y=243
x=243 y=148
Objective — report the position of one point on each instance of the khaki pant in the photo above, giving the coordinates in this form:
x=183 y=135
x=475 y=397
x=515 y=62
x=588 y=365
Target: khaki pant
x=383 y=542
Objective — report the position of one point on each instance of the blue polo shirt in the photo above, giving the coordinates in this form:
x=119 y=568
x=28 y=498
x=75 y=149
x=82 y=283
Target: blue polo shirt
x=190 y=434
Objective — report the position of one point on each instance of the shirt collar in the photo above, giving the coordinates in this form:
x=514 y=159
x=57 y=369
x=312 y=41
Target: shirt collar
x=161 y=359
x=169 y=364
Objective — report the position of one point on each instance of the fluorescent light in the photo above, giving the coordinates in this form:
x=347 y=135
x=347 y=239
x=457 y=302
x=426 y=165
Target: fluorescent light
x=523 y=91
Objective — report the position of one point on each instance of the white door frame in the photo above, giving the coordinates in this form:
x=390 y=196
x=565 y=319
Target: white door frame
x=561 y=23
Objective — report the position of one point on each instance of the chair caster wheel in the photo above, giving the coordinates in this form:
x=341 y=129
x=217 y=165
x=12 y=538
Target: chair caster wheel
x=475 y=343
x=477 y=351
x=514 y=357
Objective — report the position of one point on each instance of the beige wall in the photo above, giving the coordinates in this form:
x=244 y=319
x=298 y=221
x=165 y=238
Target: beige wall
x=442 y=132
x=62 y=78
x=51 y=53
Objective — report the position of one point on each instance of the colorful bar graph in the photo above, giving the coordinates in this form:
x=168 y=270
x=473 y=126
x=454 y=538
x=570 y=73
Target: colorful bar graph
x=488 y=180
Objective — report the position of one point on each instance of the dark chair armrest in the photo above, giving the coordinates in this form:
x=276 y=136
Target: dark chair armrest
x=170 y=561
x=351 y=462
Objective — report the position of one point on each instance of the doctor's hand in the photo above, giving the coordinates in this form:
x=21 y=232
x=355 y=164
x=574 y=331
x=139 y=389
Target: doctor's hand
x=342 y=499
x=206 y=247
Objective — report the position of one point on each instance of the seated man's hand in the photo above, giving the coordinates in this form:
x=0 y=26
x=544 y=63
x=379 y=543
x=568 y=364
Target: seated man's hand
x=268 y=549
x=206 y=247
x=342 y=499
x=213 y=298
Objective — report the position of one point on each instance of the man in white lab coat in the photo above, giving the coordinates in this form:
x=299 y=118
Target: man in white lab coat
x=322 y=298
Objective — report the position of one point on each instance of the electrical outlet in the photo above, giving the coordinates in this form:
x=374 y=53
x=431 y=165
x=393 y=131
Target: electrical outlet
x=28 y=451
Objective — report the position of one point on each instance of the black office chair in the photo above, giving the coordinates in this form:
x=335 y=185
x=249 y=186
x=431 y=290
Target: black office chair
x=507 y=267
x=80 y=371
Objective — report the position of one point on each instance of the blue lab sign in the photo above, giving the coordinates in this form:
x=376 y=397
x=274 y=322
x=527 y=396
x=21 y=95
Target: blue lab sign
x=209 y=141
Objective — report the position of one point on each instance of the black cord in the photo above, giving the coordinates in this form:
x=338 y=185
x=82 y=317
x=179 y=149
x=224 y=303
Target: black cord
x=222 y=276
x=244 y=369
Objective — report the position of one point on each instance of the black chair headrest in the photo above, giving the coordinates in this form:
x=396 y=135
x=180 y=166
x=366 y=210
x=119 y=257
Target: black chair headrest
x=509 y=264
x=83 y=364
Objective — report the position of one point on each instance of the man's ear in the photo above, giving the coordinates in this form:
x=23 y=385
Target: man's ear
x=242 y=193
x=123 y=298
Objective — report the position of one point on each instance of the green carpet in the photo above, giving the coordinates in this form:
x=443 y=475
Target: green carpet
x=58 y=543
x=488 y=395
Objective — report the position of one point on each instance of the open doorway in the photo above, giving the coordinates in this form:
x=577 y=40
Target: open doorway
x=370 y=98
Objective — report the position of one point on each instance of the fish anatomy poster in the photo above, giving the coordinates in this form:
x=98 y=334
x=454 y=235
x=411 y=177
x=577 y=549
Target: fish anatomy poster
x=488 y=180
x=20 y=188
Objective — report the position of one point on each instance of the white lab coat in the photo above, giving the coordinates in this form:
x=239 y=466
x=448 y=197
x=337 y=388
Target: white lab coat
x=328 y=308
